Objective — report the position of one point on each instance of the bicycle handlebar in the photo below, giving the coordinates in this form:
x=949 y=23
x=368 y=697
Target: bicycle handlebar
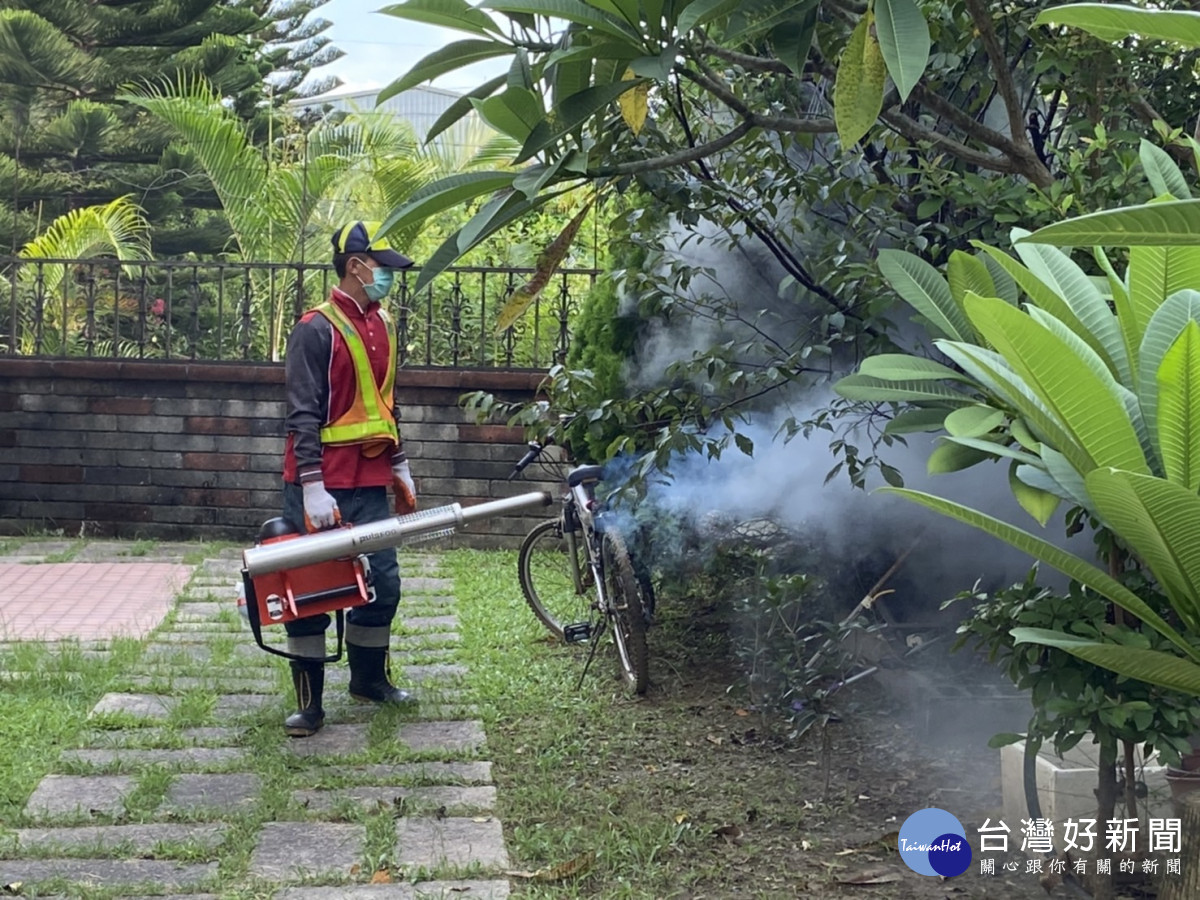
x=534 y=451
x=536 y=447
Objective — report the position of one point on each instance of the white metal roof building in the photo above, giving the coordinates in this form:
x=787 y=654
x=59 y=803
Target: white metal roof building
x=419 y=106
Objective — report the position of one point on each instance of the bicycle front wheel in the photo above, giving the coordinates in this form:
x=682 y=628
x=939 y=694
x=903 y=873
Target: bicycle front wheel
x=628 y=616
x=547 y=573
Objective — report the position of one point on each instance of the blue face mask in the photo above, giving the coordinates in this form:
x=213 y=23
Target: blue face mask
x=381 y=284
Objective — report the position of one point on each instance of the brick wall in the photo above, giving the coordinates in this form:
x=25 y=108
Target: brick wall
x=194 y=450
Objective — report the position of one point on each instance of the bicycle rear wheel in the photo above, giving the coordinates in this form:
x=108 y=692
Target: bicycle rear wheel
x=548 y=577
x=629 y=618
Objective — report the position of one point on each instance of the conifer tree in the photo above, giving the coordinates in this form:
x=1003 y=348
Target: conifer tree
x=66 y=143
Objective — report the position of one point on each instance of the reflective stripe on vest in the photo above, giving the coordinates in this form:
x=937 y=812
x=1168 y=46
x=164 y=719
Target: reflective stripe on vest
x=370 y=417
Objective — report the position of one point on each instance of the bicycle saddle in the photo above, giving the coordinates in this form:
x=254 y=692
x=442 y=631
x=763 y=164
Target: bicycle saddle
x=579 y=475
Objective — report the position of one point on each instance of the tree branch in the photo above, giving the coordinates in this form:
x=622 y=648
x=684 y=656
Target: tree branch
x=1000 y=69
x=678 y=158
x=914 y=131
x=967 y=124
x=775 y=247
x=746 y=60
x=789 y=124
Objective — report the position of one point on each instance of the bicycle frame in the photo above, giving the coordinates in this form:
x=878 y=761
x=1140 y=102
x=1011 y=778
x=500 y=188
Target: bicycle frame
x=577 y=518
x=608 y=570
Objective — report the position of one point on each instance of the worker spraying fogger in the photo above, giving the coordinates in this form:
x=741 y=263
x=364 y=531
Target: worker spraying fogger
x=288 y=576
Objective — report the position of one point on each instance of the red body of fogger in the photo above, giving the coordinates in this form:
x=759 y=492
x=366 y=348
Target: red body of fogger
x=331 y=586
x=288 y=576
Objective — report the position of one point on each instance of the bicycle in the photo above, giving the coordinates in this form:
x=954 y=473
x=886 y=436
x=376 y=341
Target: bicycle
x=578 y=578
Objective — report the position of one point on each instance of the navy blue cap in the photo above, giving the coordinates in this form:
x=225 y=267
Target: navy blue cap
x=361 y=237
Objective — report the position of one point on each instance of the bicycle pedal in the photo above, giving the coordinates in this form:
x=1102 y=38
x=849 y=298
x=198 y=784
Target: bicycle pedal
x=578 y=633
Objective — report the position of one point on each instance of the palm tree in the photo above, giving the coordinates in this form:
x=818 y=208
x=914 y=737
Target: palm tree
x=53 y=314
x=282 y=204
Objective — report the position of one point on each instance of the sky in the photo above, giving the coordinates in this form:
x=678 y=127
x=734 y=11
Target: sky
x=379 y=49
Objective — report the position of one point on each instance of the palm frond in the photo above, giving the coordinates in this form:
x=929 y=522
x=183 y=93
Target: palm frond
x=117 y=228
x=216 y=136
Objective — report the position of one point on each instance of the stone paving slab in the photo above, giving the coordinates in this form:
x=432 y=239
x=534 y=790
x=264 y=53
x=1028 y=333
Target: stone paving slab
x=192 y=683
x=58 y=795
x=155 y=707
x=450 y=798
x=142 y=839
x=196 y=610
x=107 y=872
x=288 y=851
x=143 y=706
x=452 y=841
x=344 y=708
x=176 y=760
x=221 y=566
x=210 y=793
x=169 y=655
x=479 y=772
x=426 y=585
x=231 y=705
x=123 y=736
x=431 y=623
x=449 y=736
x=332 y=740
x=424 y=890
x=207 y=633
x=120 y=551
x=201 y=630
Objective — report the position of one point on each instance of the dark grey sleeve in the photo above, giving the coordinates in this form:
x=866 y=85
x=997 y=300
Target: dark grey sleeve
x=307 y=371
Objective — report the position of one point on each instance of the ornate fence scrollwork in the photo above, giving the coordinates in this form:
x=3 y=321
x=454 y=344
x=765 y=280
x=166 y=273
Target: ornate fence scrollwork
x=219 y=310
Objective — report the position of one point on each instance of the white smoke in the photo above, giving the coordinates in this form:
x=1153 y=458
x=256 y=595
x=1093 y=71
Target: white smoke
x=785 y=480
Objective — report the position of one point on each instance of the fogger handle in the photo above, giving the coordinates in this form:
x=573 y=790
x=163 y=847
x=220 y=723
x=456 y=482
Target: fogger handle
x=342 y=542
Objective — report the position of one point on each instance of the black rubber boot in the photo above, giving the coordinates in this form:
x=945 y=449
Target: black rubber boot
x=369 y=682
x=309 y=680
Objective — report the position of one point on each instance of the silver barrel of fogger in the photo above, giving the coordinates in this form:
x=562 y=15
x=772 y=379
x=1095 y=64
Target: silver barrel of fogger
x=340 y=542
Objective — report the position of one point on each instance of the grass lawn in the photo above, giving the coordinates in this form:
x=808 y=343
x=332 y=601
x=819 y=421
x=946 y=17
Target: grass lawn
x=684 y=793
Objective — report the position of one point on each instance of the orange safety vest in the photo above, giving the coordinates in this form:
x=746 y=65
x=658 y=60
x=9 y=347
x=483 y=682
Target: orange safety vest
x=370 y=418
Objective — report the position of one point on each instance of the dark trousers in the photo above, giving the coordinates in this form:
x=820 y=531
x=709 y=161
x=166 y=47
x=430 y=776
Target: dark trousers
x=357 y=506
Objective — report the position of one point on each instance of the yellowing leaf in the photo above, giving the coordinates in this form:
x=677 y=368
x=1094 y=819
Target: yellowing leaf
x=680 y=818
x=547 y=264
x=635 y=103
x=383 y=876
x=858 y=90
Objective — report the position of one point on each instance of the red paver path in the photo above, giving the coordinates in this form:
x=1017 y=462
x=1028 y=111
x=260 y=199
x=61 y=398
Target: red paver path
x=90 y=601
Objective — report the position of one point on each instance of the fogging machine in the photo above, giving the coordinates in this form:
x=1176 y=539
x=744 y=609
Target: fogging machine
x=288 y=576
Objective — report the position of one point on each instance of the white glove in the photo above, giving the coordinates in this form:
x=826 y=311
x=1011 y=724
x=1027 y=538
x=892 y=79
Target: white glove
x=405 y=488
x=320 y=509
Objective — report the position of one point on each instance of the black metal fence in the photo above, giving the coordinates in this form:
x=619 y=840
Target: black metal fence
x=216 y=310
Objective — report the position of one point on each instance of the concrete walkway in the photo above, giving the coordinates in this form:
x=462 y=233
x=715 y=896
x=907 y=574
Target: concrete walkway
x=183 y=781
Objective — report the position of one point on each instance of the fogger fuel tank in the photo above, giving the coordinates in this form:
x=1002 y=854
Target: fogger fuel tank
x=288 y=576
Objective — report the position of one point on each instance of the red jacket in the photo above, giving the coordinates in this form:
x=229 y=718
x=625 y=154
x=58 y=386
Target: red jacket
x=320 y=388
